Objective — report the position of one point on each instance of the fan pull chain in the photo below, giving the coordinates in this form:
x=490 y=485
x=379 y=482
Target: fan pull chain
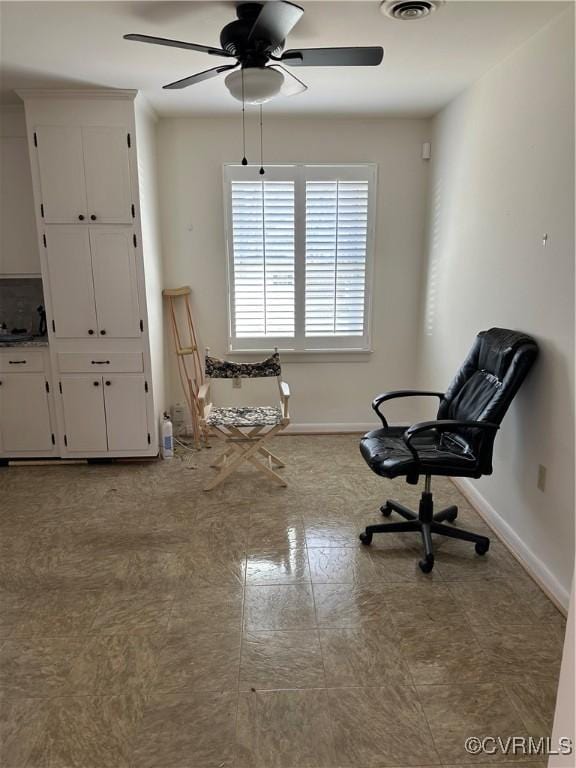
x=261 y=171
x=244 y=161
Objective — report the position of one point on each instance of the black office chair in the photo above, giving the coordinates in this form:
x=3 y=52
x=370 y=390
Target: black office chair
x=458 y=444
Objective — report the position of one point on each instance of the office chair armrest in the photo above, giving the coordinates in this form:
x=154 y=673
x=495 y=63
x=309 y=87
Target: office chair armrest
x=442 y=425
x=379 y=399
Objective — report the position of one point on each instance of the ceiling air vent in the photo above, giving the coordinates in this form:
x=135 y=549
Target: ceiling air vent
x=408 y=10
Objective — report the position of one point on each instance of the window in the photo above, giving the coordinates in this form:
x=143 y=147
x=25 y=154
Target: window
x=300 y=242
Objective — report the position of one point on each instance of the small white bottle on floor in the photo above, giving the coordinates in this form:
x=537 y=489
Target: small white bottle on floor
x=167 y=447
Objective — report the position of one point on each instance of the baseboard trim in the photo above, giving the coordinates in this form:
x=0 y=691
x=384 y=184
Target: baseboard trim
x=527 y=559
x=329 y=429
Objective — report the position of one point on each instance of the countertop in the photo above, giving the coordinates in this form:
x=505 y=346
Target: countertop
x=39 y=342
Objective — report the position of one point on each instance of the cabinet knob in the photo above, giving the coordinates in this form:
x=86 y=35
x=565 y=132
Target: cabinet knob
x=90 y=332
x=93 y=217
x=81 y=217
x=96 y=383
x=108 y=383
x=103 y=332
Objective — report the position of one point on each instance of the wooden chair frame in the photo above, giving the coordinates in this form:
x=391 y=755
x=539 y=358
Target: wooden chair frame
x=244 y=444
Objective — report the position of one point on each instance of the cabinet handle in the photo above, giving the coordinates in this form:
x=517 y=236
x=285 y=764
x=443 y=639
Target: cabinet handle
x=96 y=383
x=17 y=362
x=81 y=217
x=103 y=332
x=100 y=362
x=93 y=217
x=90 y=332
x=108 y=383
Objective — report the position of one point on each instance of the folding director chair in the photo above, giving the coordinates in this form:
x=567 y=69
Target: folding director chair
x=244 y=430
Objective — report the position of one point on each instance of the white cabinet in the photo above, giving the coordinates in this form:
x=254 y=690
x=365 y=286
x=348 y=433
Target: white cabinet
x=126 y=417
x=115 y=284
x=105 y=413
x=84 y=174
x=84 y=418
x=25 y=414
x=93 y=282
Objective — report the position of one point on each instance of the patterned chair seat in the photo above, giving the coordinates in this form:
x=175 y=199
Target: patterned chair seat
x=248 y=416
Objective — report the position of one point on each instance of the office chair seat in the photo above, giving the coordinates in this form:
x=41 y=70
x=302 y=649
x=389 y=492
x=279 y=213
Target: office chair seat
x=386 y=453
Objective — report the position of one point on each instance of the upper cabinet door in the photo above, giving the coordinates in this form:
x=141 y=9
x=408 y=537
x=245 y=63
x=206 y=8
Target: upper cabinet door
x=107 y=170
x=70 y=282
x=61 y=167
x=115 y=282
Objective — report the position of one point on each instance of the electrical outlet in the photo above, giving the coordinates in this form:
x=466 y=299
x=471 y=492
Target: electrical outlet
x=236 y=382
x=541 y=482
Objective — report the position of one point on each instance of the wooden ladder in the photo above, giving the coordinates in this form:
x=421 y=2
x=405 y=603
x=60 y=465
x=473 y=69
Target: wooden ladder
x=190 y=368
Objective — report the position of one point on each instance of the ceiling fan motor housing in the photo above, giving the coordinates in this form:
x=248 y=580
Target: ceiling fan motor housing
x=409 y=10
x=235 y=38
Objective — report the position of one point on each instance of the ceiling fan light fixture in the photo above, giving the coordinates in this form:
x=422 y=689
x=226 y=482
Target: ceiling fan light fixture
x=260 y=84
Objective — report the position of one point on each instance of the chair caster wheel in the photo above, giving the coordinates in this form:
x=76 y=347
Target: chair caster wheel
x=452 y=517
x=386 y=510
x=481 y=547
x=365 y=538
x=427 y=564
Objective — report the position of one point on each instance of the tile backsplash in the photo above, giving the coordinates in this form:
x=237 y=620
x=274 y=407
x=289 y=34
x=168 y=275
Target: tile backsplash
x=19 y=299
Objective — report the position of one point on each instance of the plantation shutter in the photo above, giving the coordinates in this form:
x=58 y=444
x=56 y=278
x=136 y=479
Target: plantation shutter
x=262 y=299
x=336 y=250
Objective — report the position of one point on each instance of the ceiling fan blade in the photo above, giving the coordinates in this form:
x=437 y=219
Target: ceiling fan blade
x=333 y=57
x=208 y=74
x=292 y=85
x=177 y=44
x=275 y=22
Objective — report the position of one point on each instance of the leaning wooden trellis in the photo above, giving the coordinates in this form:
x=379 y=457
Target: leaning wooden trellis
x=190 y=367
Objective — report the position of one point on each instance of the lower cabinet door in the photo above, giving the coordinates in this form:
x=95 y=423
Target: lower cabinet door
x=126 y=414
x=84 y=416
x=24 y=413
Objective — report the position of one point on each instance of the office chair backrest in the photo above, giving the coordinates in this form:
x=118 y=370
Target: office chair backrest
x=485 y=385
x=216 y=368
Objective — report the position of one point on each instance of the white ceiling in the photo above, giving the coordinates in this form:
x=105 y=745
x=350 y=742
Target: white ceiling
x=426 y=62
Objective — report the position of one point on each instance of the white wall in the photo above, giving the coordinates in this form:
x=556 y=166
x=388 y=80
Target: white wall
x=191 y=156
x=502 y=176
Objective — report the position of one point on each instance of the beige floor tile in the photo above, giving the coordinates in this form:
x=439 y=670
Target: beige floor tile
x=340 y=565
x=53 y=613
x=287 y=606
x=515 y=652
x=458 y=561
x=275 y=529
x=345 y=605
x=206 y=610
x=423 y=606
x=277 y=566
x=363 y=656
x=127 y=610
x=492 y=603
x=192 y=730
x=285 y=659
x=37 y=667
x=87 y=732
x=189 y=662
x=115 y=664
x=333 y=533
x=395 y=559
x=21 y=723
x=445 y=655
x=285 y=729
x=381 y=727
x=456 y=712
x=535 y=702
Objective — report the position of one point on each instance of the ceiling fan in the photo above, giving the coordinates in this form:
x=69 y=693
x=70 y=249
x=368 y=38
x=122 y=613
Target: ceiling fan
x=256 y=40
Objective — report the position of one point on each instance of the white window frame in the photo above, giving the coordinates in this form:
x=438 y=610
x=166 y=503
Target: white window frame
x=300 y=173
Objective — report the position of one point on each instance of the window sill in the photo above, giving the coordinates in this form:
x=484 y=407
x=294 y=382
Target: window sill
x=305 y=356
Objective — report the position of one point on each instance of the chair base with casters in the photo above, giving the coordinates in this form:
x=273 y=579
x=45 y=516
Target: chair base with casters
x=426 y=523
x=458 y=443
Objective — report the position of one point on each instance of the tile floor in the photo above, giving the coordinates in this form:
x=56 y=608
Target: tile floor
x=145 y=624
